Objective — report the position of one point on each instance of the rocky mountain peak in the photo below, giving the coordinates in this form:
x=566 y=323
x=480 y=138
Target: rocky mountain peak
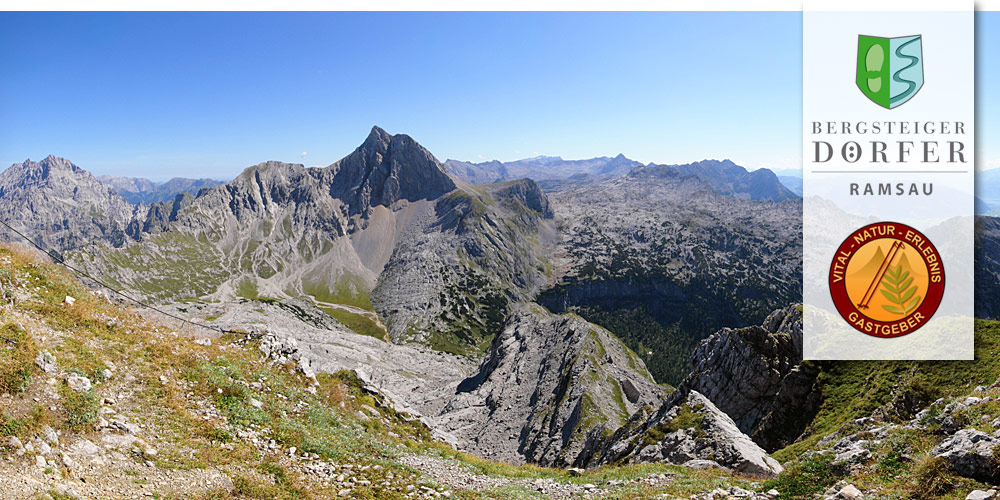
x=31 y=172
x=62 y=205
x=388 y=168
x=269 y=170
x=377 y=138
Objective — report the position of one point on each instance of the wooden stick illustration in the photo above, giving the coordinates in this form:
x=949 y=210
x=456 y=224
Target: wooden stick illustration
x=870 y=293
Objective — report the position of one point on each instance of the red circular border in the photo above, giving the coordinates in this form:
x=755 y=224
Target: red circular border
x=932 y=299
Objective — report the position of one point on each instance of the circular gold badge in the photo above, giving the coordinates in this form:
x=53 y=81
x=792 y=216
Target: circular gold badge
x=887 y=279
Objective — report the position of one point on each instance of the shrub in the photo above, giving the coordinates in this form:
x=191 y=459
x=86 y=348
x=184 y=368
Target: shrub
x=812 y=475
x=932 y=478
x=82 y=408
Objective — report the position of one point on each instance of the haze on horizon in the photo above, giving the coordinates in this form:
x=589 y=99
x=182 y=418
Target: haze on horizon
x=161 y=95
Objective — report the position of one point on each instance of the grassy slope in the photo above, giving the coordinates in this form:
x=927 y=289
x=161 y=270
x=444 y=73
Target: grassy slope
x=194 y=404
x=901 y=466
x=856 y=389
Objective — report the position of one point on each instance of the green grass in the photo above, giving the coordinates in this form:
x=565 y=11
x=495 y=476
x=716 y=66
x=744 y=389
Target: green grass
x=855 y=389
x=17 y=355
x=348 y=290
x=248 y=289
x=357 y=322
x=81 y=408
x=687 y=418
x=23 y=427
x=170 y=265
x=803 y=479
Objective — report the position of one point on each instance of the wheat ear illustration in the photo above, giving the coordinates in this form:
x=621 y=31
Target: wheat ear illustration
x=896 y=286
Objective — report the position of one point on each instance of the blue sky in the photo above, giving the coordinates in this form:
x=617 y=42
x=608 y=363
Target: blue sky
x=208 y=94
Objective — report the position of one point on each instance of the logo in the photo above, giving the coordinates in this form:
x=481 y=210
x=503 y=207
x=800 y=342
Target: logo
x=887 y=279
x=890 y=70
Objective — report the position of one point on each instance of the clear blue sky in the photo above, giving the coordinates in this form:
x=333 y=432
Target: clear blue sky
x=208 y=94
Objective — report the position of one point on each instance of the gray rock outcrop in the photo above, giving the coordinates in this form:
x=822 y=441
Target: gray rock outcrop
x=756 y=376
x=687 y=427
x=547 y=383
x=972 y=454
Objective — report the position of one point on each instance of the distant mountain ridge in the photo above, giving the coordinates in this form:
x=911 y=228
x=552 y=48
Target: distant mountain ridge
x=550 y=172
x=730 y=179
x=554 y=174
x=137 y=190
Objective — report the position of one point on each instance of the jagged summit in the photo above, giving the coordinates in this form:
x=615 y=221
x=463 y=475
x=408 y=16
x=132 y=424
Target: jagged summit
x=31 y=171
x=62 y=205
x=388 y=168
x=377 y=135
x=269 y=168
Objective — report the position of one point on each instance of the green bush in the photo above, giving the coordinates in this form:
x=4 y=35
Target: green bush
x=801 y=480
x=932 y=478
x=82 y=408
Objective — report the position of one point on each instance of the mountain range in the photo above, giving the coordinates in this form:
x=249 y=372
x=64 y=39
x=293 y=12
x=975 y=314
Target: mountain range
x=522 y=321
x=551 y=172
x=556 y=174
x=137 y=190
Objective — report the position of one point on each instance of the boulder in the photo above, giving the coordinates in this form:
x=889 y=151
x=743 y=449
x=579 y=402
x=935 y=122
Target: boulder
x=78 y=383
x=982 y=495
x=971 y=454
x=86 y=448
x=847 y=492
x=49 y=435
x=46 y=362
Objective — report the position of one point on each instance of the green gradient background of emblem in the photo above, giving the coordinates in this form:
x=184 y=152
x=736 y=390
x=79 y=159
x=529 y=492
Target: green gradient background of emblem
x=890 y=70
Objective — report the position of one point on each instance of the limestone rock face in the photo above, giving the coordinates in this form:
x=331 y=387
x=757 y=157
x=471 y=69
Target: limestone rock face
x=461 y=261
x=62 y=206
x=161 y=214
x=687 y=428
x=547 y=383
x=756 y=376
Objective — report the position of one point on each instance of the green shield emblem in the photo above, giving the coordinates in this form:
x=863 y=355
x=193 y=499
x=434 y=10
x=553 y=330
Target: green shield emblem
x=890 y=70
